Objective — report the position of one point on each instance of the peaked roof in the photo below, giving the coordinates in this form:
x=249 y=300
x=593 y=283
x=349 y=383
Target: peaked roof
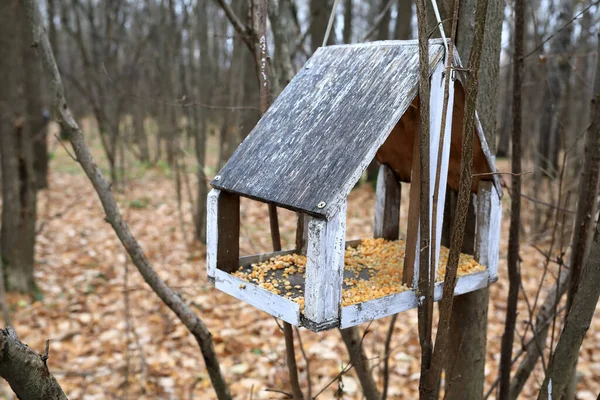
x=313 y=144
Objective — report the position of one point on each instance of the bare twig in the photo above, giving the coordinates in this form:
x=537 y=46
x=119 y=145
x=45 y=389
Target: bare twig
x=66 y=149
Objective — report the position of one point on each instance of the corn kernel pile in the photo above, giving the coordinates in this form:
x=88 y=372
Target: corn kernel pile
x=372 y=270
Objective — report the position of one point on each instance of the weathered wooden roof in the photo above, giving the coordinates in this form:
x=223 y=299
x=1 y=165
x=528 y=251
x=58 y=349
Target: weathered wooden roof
x=313 y=144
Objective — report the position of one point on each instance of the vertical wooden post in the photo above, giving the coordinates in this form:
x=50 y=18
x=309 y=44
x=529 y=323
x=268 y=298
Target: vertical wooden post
x=387 y=205
x=325 y=271
x=438 y=82
x=412 y=241
x=223 y=232
x=489 y=217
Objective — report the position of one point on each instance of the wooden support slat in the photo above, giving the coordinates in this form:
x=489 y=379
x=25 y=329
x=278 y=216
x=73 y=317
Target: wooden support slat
x=438 y=82
x=387 y=205
x=212 y=237
x=223 y=232
x=468 y=246
x=413 y=254
x=324 y=270
x=410 y=276
x=487 y=241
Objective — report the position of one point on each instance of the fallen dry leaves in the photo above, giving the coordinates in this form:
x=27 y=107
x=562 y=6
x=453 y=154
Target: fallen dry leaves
x=111 y=337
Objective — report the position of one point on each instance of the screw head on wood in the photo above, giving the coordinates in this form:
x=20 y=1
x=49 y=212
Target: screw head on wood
x=218 y=178
x=321 y=204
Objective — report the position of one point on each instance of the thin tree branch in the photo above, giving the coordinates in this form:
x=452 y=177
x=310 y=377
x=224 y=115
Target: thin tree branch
x=25 y=370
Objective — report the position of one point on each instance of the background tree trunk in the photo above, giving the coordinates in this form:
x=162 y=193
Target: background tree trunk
x=319 y=17
x=17 y=235
x=403 y=28
x=469 y=319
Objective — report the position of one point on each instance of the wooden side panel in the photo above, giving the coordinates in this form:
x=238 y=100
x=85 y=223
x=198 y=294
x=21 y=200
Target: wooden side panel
x=489 y=217
x=387 y=205
x=278 y=306
x=222 y=232
x=395 y=303
x=212 y=236
x=438 y=82
x=325 y=270
x=413 y=242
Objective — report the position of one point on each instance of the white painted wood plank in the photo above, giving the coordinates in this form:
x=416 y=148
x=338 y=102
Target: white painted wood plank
x=472 y=282
x=325 y=268
x=399 y=302
x=435 y=120
x=378 y=308
x=262 y=299
x=489 y=217
x=212 y=236
x=438 y=82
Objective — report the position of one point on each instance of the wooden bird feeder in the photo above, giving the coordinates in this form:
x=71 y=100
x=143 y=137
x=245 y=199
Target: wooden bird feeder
x=348 y=105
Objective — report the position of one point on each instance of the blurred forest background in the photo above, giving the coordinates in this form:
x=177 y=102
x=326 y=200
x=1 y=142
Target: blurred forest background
x=164 y=91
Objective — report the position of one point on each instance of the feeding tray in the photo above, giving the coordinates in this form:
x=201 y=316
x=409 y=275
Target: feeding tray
x=347 y=106
x=372 y=270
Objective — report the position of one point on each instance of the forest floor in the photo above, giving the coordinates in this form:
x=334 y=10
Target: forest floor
x=112 y=338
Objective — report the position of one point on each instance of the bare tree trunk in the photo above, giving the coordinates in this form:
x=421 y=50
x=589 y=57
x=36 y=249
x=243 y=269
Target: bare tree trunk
x=586 y=208
x=403 y=29
x=515 y=210
x=347 y=35
x=429 y=384
x=585 y=298
x=383 y=33
x=140 y=136
x=470 y=311
x=17 y=233
x=319 y=17
x=558 y=70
